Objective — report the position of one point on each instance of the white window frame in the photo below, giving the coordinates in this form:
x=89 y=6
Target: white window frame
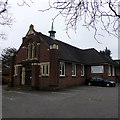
x=16 y=70
x=45 y=67
x=31 y=51
x=43 y=70
x=62 y=69
x=47 y=70
x=82 y=70
x=109 y=70
x=113 y=71
x=74 y=69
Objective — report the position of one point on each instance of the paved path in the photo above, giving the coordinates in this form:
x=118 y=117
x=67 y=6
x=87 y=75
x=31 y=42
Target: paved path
x=76 y=102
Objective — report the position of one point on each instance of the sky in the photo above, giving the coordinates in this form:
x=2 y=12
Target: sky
x=24 y=16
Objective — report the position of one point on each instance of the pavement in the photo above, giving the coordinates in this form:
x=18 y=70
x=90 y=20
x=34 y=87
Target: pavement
x=74 y=102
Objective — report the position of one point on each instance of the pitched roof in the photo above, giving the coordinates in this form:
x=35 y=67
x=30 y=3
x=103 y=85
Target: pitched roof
x=108 y=59
x=70 y=53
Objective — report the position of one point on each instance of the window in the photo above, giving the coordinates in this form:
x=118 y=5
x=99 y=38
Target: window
x=109 y=70
x=113 y=71
x=97 y=69
x=45 y=69
x=73 y=69
x=16 y=70
x=34 y=52
x=62 y=69
x=31 y=51
x=82 y=70
x=30 y=47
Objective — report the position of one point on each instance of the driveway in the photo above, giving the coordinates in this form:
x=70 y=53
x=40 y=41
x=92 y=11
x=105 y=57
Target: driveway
x=75 y=102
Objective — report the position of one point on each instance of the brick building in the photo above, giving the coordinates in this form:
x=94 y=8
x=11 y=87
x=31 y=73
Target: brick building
x=44 y=62
x=117 y=70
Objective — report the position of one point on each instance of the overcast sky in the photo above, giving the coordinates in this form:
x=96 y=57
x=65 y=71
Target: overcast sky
x=24 y=16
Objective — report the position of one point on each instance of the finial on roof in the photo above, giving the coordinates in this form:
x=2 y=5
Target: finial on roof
x=31 y=30
x=52 y=32
x=52 y=28
x=31 y=26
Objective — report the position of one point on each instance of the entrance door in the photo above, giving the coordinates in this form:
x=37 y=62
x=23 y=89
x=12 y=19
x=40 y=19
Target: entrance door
x=28 y=77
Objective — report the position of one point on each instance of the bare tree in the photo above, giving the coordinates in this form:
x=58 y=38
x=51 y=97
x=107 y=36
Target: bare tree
x=5 y=17
x=23 y=2
x=90 y=12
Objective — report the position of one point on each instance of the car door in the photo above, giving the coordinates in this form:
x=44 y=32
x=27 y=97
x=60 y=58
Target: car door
x=101 y=81
x=95 y=81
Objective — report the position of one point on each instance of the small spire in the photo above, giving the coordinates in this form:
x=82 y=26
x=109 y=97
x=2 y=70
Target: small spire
x=52 y=32
x=52 y=28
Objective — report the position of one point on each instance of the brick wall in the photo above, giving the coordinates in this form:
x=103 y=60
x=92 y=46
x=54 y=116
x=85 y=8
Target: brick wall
x=69 y=80
x=104 y=75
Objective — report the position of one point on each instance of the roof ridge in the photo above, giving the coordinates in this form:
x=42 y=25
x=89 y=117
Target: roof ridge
x=68 y=44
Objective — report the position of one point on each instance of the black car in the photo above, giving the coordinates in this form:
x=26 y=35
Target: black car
x=100 y=81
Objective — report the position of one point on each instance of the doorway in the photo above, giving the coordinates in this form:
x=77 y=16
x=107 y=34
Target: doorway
x=28 y=77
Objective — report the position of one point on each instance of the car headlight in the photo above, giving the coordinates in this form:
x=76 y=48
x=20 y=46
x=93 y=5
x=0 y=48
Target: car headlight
x=112 y=82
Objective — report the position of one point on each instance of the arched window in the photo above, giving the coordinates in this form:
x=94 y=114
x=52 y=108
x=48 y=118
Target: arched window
x=31 y=51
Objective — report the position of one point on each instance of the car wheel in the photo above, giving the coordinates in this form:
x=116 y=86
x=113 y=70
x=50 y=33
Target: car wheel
x=113 y=85
x=89 y=84
x=107 y=84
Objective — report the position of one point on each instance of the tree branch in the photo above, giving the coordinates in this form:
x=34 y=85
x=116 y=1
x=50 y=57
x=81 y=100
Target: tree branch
x=4 y=4
x=91 y=13
x=110 y=6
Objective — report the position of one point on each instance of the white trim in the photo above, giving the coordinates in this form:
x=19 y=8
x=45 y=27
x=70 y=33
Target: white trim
x=18 y=65
x=35 y=63
x=45 y=68
x=24 y=47
x=62 y=69
x=113 y=71
x=16 y=69
x=82 y=70
x=31 y=51
x=23 y=76
x=74 y=69
x=109 y=70
x=38 y=43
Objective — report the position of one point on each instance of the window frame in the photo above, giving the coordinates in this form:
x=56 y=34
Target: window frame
x=82 y=70
x=62 y=69
x=74 y=70
x=97 y=69
x=31 y=51
x=45 y=69
x=113 y=70
x=109 y=70
x=16 y=70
